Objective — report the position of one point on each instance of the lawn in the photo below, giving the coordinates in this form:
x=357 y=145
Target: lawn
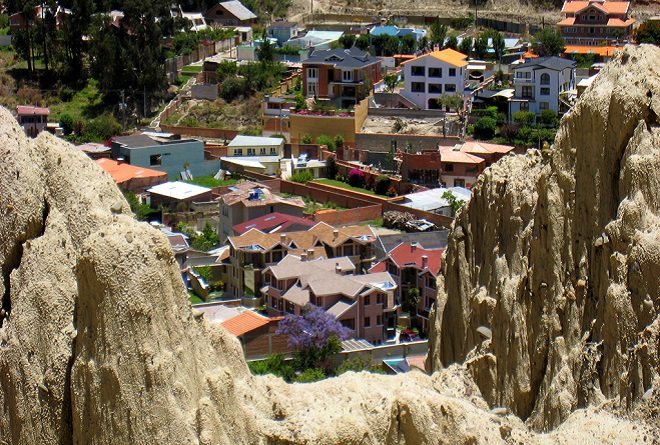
x=335 y=183
x=374 y=223
x=210 y=181
x=85 y=104
x=192 y=69
x=194 y=298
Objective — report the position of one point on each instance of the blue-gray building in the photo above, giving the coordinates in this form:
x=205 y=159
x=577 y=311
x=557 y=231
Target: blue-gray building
x=165 y=152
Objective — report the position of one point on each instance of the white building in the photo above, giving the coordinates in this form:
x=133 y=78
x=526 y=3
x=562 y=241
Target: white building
x=256 y=153
x=427 y=77
x=539 y=82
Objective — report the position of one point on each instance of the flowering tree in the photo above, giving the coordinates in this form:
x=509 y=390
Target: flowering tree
x=316 y=335
x=356 y=177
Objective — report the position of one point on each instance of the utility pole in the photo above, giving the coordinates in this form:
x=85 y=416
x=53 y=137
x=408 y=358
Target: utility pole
x=123 y=108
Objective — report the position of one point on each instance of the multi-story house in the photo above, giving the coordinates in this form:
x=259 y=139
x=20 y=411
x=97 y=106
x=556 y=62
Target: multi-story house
x=343 y=75
x=165 y=152
x=260 y=154
x=596 y=22
x=413 y=267
x=248 y=200
x=33 y=119
x=366 y=304
x=230 y=13
x=430 y=76
x=539 y=82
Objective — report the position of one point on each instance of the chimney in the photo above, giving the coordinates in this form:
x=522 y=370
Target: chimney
x=413 y=246
x=303 y=256
x=336 y=234
x=283 y=238
x=337 y=269
x=425 y=261
x=310 y=254
x=120 y=161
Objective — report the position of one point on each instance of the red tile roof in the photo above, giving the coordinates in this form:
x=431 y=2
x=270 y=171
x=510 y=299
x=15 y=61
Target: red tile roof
x=475 y=148
x=244 y=323
x=404 y=255
x=459 y=157
x=272 y=223
x=27 y=110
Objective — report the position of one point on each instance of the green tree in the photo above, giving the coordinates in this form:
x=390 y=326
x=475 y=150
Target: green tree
x=386 y=45
x=266 y=52
x=382 y=185
x=524 y=118
x=485 y=128
x=437 y=33
x=339 y=141
x=66 y=122
x=141 y=211
x=390 y=81
x=454 y=202
x=363 y=42
x=306 y=139
x=207 y=240
x=497 y=42
x=465 y=46
x=548 y=118
x=76 y=27
x=451 y=42
x=451 y=101
x=326 y=140
x=408 y=44
x=302 y=177
x=226 y=68
x=481 y=46
x=548 y=42
x=331 y=168
x=347 y=40
x=101 y=128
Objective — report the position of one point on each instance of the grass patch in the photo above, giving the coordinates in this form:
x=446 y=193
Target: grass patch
x=85 y=104
x=374 y=223
x=182 y=80
x=191 y=69
x=210 y=181
x=335 y=183
x=194 y=298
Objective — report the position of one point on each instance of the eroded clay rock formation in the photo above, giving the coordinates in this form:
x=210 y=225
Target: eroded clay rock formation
x=99 y=345
x=558 y=254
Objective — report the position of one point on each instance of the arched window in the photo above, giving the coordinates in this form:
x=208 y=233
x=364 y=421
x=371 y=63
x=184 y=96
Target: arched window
x=545 y=79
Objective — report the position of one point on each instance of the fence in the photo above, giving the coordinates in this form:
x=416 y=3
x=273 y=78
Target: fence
x=174 y=65
x=349 y=216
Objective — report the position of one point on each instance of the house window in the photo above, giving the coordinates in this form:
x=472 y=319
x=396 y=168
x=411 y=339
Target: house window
x=347 y=75
x=367 y=322
x=379 y=320
x=251 y=152
x=543 y=105
x=262 y=151
x=155 y=160
x=289 y=307
x=435 y=88
x=458 y=182
x=435 y=72
x=367 y=300
x=273 y=151
x=452 y=72
x=592 y=30
x=524 y=106
x=431 y=283
x=350 y=323
x=527 y=91
x=379 y=299
x=417 y=87
x=450 y=88
x=592 y=17
x=238 y=152
x=312 y=73
x=449 y=167
x=311 y=89
x=545 y=79
x=417 y=70
x=545 y=91
x=348 y=250
x=523 y=75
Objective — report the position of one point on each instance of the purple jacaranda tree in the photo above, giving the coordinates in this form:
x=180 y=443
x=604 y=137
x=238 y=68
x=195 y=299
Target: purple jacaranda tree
x=315 y=334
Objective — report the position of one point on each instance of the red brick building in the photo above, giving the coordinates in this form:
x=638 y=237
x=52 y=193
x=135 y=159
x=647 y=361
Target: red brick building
x=343 y=75
x=596 y=22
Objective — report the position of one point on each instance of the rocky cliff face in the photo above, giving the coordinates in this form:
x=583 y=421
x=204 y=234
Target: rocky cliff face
x=98 y=344
x=558 y=254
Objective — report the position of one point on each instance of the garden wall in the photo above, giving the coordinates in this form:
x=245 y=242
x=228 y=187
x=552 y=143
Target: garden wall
x=349 y=216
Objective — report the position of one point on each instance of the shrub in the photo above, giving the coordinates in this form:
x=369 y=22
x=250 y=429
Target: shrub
x=548 y=118
x=306 y=139
x=509 y=131
x=356 y=177
x=326 y=140
x=302 y=177
x=487 y=112
x=382 y=185
x=331 y=168
x=339 y=141
x=524 y=117
x=485 y=128
x=310 y=375
x=232 y=88
x=66 y=122
x=301 y=102
x=524 y=135
x=102 y=128
x=273 y=364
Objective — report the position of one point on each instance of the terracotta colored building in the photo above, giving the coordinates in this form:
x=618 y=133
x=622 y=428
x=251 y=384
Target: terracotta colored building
x=130 y=177
x=596 y=22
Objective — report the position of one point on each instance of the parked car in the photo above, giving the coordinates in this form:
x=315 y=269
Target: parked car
x=408 y=335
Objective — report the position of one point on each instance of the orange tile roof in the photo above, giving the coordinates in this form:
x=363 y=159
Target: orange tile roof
x=125 y=172
x=568 y=21
x=450 y=56
x=598 y=50
x=244 y=323
x=459 y=157
x=475 y=147
x=620 y=23
x=608 y=7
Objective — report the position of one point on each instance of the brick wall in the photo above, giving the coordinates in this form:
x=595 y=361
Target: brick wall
x=382 y=142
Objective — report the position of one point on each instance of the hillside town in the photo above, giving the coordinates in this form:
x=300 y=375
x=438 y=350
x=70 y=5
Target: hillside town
x=297 y=166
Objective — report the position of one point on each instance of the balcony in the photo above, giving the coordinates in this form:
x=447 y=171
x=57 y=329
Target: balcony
x=523 y=81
